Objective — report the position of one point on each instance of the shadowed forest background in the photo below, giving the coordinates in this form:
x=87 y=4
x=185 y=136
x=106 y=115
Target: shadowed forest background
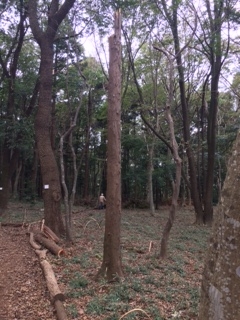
x=80 y=86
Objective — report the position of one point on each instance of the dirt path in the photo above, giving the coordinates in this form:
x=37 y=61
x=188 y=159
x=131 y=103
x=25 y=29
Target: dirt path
x=23 y=293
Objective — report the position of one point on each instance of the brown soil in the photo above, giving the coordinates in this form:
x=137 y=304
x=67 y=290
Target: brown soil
x=23 y=293
x=163 y=289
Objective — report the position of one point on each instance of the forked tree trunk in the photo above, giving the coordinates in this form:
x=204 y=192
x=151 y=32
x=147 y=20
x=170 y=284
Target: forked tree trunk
x=112 y=262
x=220 y=285
x=177 y=160
x=43 y=121
x=69 y=197
x=172 y=17
x=49 y=169
x=174 y=203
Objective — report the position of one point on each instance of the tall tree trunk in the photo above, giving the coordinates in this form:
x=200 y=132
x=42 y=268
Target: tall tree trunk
x=4 y=178
x=112 y=262
x=43 y=121
x=178 y=163
x=49 y=167
x=34 y=172
x=16 y=181
x=9 y=157
x=150 y=180
x=87 y=144
x=220 y=284
x=173 y=22
x=215 y=58
x=69 y=197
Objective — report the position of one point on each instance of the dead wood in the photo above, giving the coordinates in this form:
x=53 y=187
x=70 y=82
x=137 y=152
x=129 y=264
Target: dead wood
x=42 y=254
x=50 y=234
x=49 y=244
x=53 y=288
x=61 y=313
x=14 y=225
x=33 y=243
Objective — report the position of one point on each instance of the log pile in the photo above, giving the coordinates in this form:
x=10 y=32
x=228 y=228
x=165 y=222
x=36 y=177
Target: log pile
x=46 y=238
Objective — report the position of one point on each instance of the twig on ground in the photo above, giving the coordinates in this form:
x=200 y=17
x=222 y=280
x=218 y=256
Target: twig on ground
x=133 y=310
x=91 y=219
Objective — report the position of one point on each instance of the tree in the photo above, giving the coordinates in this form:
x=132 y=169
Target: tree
x=171 y=14
x=9 y=63
x=112 y=263
x=178 y=161
x=220 y=285
x=216 y=52
x=43 y=121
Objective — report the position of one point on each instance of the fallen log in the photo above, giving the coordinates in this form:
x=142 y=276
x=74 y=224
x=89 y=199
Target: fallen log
x=50 y=234
x=53 y=288
x=33 y=243
x=49 y=244
x=61 y=312
x=14 y=225
x=42 y=254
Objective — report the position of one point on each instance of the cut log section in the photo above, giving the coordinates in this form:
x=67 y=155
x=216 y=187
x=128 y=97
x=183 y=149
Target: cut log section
x=53 y=288
x=50 y=234
x=49 y=244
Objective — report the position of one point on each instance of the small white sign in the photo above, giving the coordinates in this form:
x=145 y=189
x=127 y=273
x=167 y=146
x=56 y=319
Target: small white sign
x=46 y=186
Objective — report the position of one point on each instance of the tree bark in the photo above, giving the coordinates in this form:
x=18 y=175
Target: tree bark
x=43 y=121
x=87 y=150
x=150 y=179
x=55 y=293
x=220 y=285
x=61 y=312
x=173 y=22
x=52 y=284
x=112 y=263
x=49 y=244
x=215 y=58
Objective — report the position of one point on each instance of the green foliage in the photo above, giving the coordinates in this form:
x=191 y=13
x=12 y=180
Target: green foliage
x=95 y=306
x=72 y=310
x=78 y=282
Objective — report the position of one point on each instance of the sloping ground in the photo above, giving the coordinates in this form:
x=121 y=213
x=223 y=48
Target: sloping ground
x=23 y=293
x=165 y=290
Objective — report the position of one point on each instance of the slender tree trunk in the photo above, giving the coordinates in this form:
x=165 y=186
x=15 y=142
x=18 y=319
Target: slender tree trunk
x=211 y=138
x=4 y=179
x=216 y=58
x=34 y=173
x=178 y=164
x=112 y=262
x=150 y=180
x=220 y=284
x=86 y=156
x=9 y=157
x=176 y=188
x=69 y=197
x=16 y=181
x=173 y=22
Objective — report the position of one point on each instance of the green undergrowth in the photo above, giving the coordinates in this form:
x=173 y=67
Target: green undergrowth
x=152 y=289
x=23 y=212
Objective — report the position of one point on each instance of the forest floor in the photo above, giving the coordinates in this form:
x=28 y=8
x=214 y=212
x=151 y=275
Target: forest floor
x=152 y=289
